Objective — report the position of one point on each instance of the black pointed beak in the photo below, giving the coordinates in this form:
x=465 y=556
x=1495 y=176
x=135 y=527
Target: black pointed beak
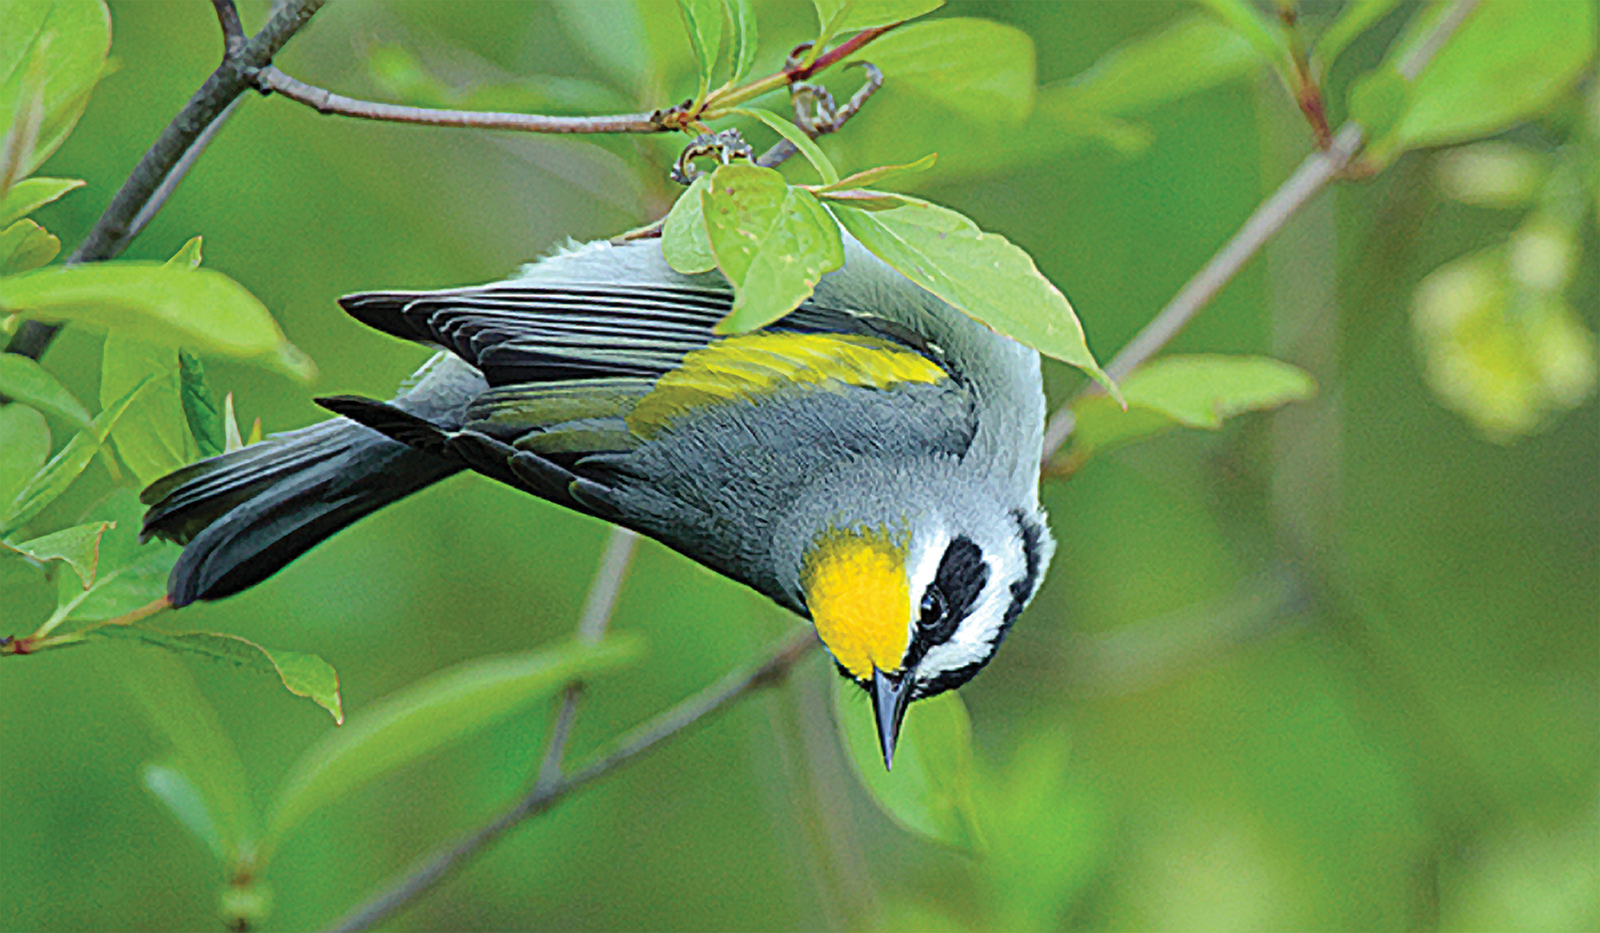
x=891 y=693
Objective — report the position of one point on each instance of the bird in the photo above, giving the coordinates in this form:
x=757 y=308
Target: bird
x=870 y=461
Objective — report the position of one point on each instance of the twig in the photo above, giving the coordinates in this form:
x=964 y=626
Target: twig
x=175 y=177
x=232 y=29
x=833 y=121
x=597 y=610
x=732 y=687
x=1313 y=174
x=270 y=79
x=145 y=190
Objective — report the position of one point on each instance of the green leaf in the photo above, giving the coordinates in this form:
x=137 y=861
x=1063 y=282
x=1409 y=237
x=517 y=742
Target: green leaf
x=974 y=67
x=198 y=308
x=981 y=274
x=200 y=406
x=25 y=381
x=1355 y=18
x=54 y=478
x=188 y=255
x=1193 y=391
x=879 y=175
x=153 y=437
x=29 y=195
x=743 y=14
x=836 y=17
x=79 y=546
x=740 y=207
x=1040 y=809
x=203 y=754
x=25 y=245
x=173 y=787
x=773 y=243
x=26 y=447
x=301 y=673
x=1378 y=99
x=132 y=581
x=793 y=134
x=436 y=711
x=1499 y=342
x=65 y=43
x=1506 y=64
x=1265 y=35
x=865 y=198
x=684 y=242
x=230 y=428
x=703 y=20
x=1184 y=58
x=930 y=790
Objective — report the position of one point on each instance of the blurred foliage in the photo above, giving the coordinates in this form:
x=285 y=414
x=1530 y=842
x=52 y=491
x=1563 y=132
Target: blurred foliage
x=1331 y=669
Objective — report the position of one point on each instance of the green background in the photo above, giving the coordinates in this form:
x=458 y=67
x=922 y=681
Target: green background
x=1334 y=668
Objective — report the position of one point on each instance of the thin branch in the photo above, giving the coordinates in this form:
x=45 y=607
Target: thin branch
x=145 y=190
x=175 y=177
x=232 y=29
x=719 y=695
x=597 y=610
x=325 y=101
x=1310 y=178
x=833 y=121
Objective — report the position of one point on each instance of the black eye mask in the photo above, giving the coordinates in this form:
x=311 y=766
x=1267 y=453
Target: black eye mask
x=956 y=586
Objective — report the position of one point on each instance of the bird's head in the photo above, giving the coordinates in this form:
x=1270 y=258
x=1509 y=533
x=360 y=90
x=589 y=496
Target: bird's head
x=913 y=610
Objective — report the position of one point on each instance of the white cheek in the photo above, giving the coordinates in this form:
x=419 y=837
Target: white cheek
x=921 y=570
x=973 y=640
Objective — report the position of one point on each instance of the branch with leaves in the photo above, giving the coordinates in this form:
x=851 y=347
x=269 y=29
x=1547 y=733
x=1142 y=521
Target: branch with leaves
x=739 y=218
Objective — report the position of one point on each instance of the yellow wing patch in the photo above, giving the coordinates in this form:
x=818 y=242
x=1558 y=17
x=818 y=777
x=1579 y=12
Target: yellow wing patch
x=747 y=367
x=860 y=602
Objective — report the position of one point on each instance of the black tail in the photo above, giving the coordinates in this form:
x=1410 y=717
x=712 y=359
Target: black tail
x=244 y=515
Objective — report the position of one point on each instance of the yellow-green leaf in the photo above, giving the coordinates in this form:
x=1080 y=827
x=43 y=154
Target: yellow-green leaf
x=23 y=380
x=1192 y=391
x=801 y=141
x=743 y=14
x=172 y=701
x=684 y=243
x=30 y=194
x=982 y=274
x=25 y=245
x=55 y=476
x=302 y=674
x=428 y=715
x=703 y=20
x=930 y=790
x=63 y=44
x=773 y=243
x=79 y=546
x=836 y=17
x=1507 y=63
x=975 y=67
x=153 y=437
x=197 y=308
x=26 y=447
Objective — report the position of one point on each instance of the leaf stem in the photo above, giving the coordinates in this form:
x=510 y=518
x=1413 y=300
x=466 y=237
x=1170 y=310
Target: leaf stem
x=1308 y=180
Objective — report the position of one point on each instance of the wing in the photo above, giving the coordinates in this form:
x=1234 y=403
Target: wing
x=602 y=396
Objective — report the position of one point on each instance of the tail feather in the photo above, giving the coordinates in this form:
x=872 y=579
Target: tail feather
x=245 y=515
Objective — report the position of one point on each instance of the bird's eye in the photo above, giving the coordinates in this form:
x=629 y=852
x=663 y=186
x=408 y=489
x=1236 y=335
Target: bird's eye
x=933 y=606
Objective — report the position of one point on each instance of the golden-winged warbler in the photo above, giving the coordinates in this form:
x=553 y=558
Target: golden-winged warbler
x=870 y=461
